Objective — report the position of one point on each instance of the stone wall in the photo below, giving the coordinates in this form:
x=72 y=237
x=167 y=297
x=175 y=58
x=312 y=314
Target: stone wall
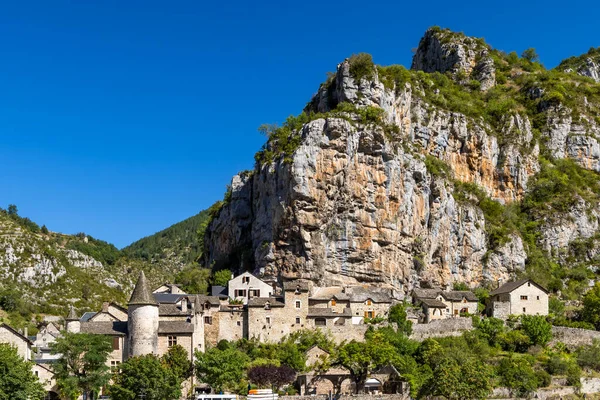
x=573 y=337
x=232 y=325
x=184 y=341
x=441 y=328
x=351 y=397
x=339 y=333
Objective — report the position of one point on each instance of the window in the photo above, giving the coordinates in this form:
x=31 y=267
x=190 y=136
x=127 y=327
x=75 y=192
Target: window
x=523 y=297
x=320 y=322
x=447 y=310
x=240 y=293
x=455 y=312
x=524 y=309
x=369 y=302
x=254 y=293
x=297 y=320
x=207 y=306
x=298 y=303
x=239 y=323
x=245 y=279
x=172 y=340
x=208 y=320
x=368 y=314
x=528 y=284
x=115 y=343
x=268 y=320
x=538 y=297
x=114 y=366
x=36 y=373
x=333 y=302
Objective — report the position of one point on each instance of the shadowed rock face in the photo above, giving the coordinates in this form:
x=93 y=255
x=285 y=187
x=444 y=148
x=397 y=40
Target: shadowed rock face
x=357 y=204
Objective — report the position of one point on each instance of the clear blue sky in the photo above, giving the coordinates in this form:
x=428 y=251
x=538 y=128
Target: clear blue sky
x=120 y=118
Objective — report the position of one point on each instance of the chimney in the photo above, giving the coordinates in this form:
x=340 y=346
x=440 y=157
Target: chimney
x=25 y=331
x=184 y=304
x=105 y=306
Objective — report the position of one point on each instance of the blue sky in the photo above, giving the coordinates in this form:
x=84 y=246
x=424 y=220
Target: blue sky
x=120 y=118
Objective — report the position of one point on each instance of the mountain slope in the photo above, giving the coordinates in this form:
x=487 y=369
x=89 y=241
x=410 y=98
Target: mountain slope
x=44 y=271
x=174 y=246
x=474 y=166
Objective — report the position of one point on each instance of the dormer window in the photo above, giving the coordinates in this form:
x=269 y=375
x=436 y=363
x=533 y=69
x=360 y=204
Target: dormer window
x=297 y=290
x=245 y=279
x=333 y=303
x=369 y=302
x=267 y=306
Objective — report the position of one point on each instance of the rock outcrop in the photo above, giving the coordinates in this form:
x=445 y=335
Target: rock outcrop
x=359 y=201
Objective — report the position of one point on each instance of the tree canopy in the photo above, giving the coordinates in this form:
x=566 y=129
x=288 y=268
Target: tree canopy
x=17 y=381
x=146 y=376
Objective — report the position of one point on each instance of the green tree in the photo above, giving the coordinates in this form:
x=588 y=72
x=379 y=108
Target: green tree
x=44 y=230
x=17 y=381
x=490 y=329
x=530 y=55
x=359 y=358
x=220 y=278
x=397 y=315
x=81 y=367
x=470 y=379
x=588 y=356
x=145 y=376
x=193 y=279
x=177 y=361
x=222 y=367
x=537 y=328
x=516 y=373
x=12 y=210
x=591 y=306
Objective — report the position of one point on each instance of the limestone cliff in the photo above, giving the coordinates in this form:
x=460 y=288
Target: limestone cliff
x=392 y=176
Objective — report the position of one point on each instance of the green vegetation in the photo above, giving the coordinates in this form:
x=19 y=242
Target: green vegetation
x=178 y=243
x=575 y=63
x=17 y=381
x=146 y=376
x=81 y=368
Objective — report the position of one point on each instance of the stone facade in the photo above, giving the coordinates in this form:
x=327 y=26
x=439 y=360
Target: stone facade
x=16 y=339
x=524 y=297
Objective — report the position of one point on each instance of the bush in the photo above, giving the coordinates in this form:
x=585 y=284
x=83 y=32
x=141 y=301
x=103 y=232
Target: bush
x=537 y=329
x=361 y=66
x=517 y=373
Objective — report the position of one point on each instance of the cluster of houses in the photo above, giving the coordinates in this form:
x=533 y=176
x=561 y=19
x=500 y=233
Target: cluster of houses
x=250 y=307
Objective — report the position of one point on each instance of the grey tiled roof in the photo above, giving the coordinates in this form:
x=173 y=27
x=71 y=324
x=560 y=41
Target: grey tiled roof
x=426 y=293
x=72 y=315
x=115 y=328
x=359 y=294
x=141 y=293
x=300 y=284
x=219 y=291
x=458 y=295
x=213 y=300
x=87 y=316
x=175 y=327
x=328 y=312
x=168 y=298
x=171 y=309
x=510 y=286
x=15 y=332
x=328 y=293
x=262 y=301
x=433 y=303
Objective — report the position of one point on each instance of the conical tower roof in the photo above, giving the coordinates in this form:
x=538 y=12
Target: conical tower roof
x=72 y=316
x=141 y=293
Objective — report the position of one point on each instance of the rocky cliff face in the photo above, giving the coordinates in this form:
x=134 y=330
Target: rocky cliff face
x=363 y=199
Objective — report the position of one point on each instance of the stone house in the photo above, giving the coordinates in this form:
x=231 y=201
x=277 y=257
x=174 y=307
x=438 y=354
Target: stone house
x=522 y=297
x=441 y=304
x=17 y=339
x=45 y=336
x=247 y=286
x=43 y=370
x=170 y=288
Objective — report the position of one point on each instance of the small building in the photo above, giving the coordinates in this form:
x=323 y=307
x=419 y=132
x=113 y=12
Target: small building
x=247 y=286
x=523 y=297
x=459 y=302
x=433 y=309
x=455 y=303
x=16 y=339
x=169 y=288
x=46 y=336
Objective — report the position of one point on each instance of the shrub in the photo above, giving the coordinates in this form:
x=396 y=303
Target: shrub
x=361 y=66
x=537 y=329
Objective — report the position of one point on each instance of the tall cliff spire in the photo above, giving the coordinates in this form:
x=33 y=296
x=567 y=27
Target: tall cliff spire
x=141 y=293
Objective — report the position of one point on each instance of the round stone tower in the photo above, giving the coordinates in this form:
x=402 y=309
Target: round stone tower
x=73 y=325
x=142 y=320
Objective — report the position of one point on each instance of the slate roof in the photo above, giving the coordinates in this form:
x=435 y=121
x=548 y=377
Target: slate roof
x=141 y=293
x=220 y=291
x=168 y=298
x=262 y=301
x=171 y=309
x=425 y=293
x=213 y=300
x=328 y=312
x=510 y=286
x=433 y=303
x=114 y=328
x=359 y=294
x=327 y=293
x=458 y=295
x=175 y=327
x=300 y=284
x=9 y=328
